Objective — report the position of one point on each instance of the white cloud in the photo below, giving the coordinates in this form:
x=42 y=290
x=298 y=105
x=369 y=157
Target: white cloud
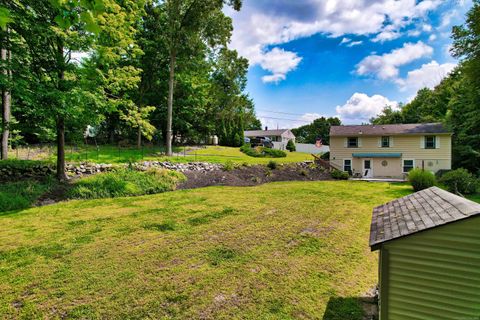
x=262 y=24
x=432 y=37
x=279 y=62
x=310 y=117
x=386 y=66
x=354 y=43
x=426 y=27
x=428 y=75
x=361 y=107
x=350 y=43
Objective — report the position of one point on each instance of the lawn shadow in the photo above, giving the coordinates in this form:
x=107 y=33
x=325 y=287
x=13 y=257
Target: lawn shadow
x=351 y=308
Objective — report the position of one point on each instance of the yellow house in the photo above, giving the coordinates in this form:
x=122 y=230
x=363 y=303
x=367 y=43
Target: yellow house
x=390 y=151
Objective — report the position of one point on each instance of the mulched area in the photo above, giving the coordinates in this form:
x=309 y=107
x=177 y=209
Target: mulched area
x=240 y=176
x=253 y=175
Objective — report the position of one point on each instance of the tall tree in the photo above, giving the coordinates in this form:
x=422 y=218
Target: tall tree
x=69 y=93
x=6 y=94
x=187 y=21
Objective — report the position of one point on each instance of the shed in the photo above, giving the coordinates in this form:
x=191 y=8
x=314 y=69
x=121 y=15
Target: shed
x=429 y=263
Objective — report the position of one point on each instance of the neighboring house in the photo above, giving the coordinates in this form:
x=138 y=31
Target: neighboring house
x=280 y=137
x=429 y=265
x=390 y=151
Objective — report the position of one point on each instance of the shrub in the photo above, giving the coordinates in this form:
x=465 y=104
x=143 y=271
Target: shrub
x=340 y=175
x=291 y=146
x=124 y=182
x=22 y=194
x=420 y=179
x=262 y=152
x=272 y=164
x=273 y=153
x=229 y=165
x=460 y=181
x=325 y=156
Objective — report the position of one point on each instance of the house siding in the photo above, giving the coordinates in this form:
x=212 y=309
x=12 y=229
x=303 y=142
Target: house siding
x=408 y=145
x=432 y=275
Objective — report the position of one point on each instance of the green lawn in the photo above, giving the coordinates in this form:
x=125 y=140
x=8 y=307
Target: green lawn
x=220 y=154
x=285 y=250
x=113 y=154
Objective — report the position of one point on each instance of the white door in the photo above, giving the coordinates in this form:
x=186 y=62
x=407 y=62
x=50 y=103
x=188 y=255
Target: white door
x=367 y=168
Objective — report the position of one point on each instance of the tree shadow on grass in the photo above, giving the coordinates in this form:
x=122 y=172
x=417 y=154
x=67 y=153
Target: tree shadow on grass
x=351 y=308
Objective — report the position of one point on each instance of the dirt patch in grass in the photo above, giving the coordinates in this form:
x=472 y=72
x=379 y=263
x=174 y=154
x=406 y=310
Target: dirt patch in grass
x=254 y=175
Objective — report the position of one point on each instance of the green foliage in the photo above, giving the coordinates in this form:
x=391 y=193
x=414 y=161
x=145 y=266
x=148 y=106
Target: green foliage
x=262 y=152
x=291 y=146
x=229 y=165
x=420 y=179
x=272 y=164
x=460 y=181
x=340 y=175
x=124 y=182
x=325 y=156
x=318 y=129
x=22 y=194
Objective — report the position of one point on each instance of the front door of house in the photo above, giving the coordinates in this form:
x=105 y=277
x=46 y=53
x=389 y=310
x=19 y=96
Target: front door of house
x=367 y=168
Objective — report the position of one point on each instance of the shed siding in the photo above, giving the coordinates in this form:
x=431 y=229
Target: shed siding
x=435 y=274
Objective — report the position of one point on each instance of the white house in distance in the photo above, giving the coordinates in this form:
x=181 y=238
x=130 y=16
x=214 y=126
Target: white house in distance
x=279 y=135
x=280 y=138
x=390 y=151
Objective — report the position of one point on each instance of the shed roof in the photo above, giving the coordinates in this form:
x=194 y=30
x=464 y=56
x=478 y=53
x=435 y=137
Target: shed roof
x=388 y=129
x=423 y=210
x=262 y=133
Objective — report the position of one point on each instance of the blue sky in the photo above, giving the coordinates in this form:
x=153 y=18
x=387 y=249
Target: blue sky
x=349 y=58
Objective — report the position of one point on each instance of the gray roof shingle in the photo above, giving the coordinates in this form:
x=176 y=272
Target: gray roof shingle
x=388 y=129
x=262 y=133
x=417 y=212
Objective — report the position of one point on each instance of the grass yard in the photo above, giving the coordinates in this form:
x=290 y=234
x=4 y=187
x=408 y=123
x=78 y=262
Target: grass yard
x=285 y=250
x=113 y=154
x=220 y=154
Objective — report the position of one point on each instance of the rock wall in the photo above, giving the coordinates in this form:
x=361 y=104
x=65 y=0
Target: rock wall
x=13 y=172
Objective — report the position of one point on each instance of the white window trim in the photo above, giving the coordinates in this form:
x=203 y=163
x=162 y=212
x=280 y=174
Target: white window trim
x=403 y=164
x=389 y=142
x=351 y=164
x=435 y=140
x=347 y=144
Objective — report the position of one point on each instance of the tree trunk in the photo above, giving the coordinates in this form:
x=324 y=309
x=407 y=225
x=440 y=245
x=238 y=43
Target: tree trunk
x=61 y=174
x=171 y=80
x=139 y=137
x=6 y=101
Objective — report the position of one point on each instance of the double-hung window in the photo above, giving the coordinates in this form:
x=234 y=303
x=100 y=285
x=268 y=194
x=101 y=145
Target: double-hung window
x=385 y=142
x=352 y=142
x=430 y=142
x=407 y=165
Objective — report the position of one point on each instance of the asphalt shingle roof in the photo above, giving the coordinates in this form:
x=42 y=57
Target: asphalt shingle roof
x=262 y=133
x=388 y=129
x=417 y=212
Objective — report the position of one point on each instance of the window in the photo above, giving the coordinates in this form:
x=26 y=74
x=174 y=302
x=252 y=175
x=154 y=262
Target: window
x=407 y=165
x=347 y=165
x=352 y=142
x=385 y=142
x=430 y=142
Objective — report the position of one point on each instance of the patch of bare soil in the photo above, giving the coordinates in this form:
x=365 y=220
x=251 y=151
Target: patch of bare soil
x=253 y=175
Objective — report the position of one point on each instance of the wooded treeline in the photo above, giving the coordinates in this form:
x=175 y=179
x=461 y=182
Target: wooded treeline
x=456 y=100
x=122 y=67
